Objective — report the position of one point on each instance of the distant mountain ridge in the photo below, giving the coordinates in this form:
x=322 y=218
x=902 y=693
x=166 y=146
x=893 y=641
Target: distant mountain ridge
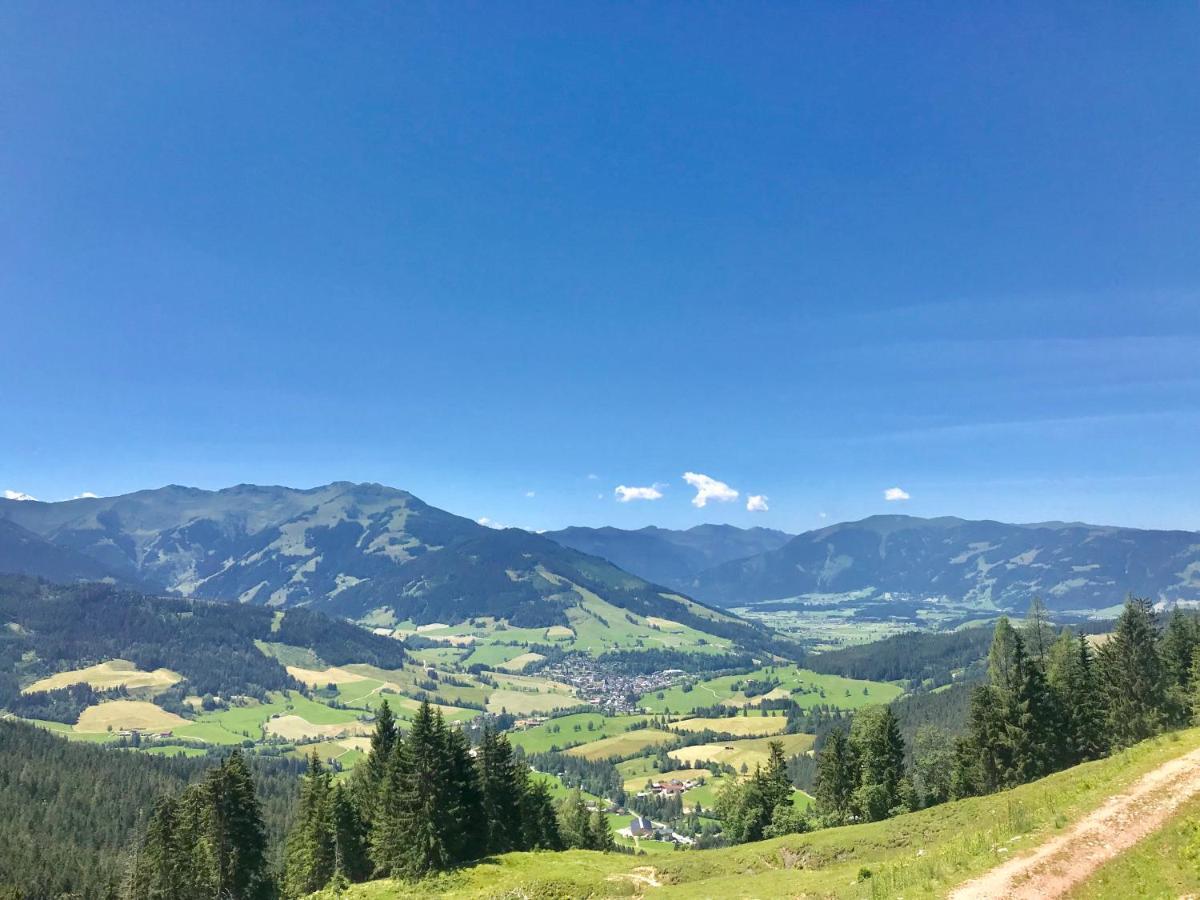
x=667 y=556
x=347 y=549
x=1070 y=565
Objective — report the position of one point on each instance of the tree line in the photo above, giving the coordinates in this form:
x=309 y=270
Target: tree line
x=1050 y=701
x=422 y=801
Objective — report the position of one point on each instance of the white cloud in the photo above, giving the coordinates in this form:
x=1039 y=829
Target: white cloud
x=895 y=493
x=708 y=489
x=86 y=495
x=757 y=503
x=592 y=476
x=626 y=494
x=823 y=515
x=17 y=495
x=490 y=523
x=531 y=493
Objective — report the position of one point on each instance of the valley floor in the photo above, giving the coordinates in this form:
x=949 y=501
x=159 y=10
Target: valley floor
x=1015 y=841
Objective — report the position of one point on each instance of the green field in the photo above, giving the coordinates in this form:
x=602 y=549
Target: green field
x=622 y=746
x=805 y=687
x=570 y=731
x=917 y=855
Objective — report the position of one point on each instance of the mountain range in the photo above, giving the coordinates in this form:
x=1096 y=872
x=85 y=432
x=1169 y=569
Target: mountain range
x=1071 y=566
x=354 y=550
x=671 y=557
x=357 y=549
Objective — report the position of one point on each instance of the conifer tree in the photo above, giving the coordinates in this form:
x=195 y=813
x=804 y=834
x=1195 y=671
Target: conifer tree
x=157 y=870
x=879 y=751
x=350 y=851
x=386 y=837
x=933 y=765
x=367 y=780
x=776 y=785
x=1130 y=676
x=501 y=783
x=467 y=830
x=1196 y=686
x=421 y=800
x=599 y=833
x=1071 y=677
x=312 y=843
x=539 y=825
x=1038 y=632
x=574 y=821
x=836 y=778
x=1180 y=639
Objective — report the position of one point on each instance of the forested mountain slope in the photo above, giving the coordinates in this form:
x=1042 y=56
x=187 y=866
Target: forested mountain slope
x=1071 y=565
x=668 y=556
x=349 y=549
x=46 y=628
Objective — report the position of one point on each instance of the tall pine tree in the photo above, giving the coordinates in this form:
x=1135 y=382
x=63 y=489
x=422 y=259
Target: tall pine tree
x=1131 y=677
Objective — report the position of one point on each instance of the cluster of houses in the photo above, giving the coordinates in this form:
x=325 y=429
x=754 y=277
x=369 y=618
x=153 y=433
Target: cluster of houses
x=672 y=787
x=641 y=827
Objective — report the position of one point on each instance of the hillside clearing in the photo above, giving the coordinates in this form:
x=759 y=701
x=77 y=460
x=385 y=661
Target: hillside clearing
x=743 y=726
x=111 y=674
x=750 y=752
x=623 y=745
x=127 y=715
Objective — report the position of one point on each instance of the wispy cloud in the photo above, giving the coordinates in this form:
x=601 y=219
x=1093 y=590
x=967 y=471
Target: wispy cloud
x=17 y=495
x=86 y=495
x=625 y=493
x=709 y=489
x=531 y=493
x=757 y=503
x=895 y=493
x=592 y=476
x=490 y=523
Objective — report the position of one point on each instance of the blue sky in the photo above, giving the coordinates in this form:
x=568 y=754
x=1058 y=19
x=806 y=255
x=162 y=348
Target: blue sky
x=483 y=252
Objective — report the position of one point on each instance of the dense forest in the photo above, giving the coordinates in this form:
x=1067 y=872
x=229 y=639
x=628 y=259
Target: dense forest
x=73 y=811
x=929 y=659
x=212 y=645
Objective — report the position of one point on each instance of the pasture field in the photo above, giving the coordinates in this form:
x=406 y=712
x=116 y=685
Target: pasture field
x=572 y=730
x=119 y=715
x=110 y=674
x=624 y=745
x=518 y=663
x=493 y=655
x=319 y=678
x=742 y=726
x=749 y=752
x=637 y=771
x=805 y=687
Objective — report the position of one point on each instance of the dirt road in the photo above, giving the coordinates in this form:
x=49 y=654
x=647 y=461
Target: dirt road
x=1068 y=859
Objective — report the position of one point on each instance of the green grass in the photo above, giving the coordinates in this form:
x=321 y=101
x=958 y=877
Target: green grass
x=1166 y=864
x=918 y=855
x=805 y=687
x=622 y=746
x=562 y=733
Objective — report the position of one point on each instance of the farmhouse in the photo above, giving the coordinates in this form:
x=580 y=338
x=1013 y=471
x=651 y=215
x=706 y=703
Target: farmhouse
x=640 y=826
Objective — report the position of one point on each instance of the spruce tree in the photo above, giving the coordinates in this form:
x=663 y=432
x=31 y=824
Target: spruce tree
x=157 y=871
x=467 y=830
x=421 y=800
x=879 y=750
x=1130 y=676
x=501 y=783
x=312 y=844
x=1038 y=632
x=777 y=786
x=574 y=821
x=1195 y=698
x=599 y=833
x=836 y=778
x=386 y=837
x=1071 y=677
x=1180 y=639
x=367 y=780
x=933 y=765
x=349 y=831
x=539 y=825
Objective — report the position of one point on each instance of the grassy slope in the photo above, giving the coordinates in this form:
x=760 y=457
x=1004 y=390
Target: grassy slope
x=922 y=854
x=1166 y=864
x=810 y=689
